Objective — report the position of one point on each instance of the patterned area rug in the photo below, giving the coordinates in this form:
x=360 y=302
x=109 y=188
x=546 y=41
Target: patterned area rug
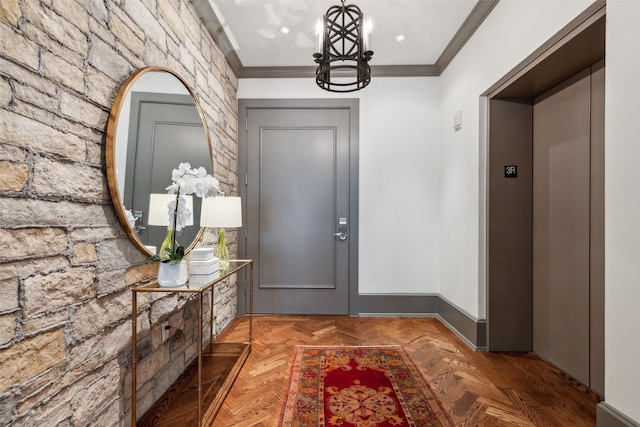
x=359 y=387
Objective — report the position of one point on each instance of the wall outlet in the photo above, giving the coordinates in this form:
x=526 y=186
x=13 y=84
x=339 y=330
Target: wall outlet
x=165 y=330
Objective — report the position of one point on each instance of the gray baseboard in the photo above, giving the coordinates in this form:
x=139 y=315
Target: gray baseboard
x=472 y=331
x=365 y=304
x=608 y=416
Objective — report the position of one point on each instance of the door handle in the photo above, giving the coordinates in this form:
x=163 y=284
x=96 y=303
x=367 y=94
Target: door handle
x=137 y=221
x=342 y=229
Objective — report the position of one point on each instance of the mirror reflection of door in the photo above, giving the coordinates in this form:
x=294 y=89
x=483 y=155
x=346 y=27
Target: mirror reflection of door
x=297 y=191
x=169 y=131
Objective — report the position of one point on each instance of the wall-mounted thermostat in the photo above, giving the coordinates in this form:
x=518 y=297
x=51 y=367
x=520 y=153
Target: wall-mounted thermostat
x=457 y=121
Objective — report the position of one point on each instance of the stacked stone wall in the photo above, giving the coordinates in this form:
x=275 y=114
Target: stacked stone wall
x=66 y=265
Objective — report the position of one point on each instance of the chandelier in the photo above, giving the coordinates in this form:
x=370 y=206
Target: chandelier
x=343 y=49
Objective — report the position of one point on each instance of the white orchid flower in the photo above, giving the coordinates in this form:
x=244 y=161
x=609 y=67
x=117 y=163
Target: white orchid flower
x=182 y=213
x=186 y=181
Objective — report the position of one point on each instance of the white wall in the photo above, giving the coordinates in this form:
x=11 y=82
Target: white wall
x=395 y=121
x=398 y=246
x=622 y=209
x=512 y=31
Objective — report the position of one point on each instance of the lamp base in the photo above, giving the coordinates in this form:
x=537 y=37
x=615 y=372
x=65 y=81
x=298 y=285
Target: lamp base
x=222 y=252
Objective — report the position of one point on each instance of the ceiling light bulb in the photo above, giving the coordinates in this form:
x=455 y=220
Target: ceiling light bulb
x=401 y=37
x=368 y=28
x=284 y=30
x=319 y=35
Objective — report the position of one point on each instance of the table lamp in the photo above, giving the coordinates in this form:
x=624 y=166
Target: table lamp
x=221 y=212
x=159 y=209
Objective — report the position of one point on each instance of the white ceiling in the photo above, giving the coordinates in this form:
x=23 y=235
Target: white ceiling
x=252 y=28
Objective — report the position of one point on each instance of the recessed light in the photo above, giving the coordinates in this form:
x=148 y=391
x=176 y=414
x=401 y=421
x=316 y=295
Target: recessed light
x=401 y=37
x=284 y=30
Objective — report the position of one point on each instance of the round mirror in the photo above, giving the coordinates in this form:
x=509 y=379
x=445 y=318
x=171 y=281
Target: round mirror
x=155 y=124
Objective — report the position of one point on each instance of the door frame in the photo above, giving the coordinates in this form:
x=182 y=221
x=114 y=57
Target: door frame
x=579 y=45
x=582 y=40
x=353 y=106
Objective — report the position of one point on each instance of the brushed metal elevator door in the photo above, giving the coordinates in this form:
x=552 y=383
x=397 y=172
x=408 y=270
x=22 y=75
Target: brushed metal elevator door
x=561 y=226
x=297 y=194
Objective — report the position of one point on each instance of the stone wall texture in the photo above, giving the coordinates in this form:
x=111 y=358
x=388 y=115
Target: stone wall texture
x=66 y=265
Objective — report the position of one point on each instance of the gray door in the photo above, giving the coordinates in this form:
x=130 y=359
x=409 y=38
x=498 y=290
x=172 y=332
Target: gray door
x=561 y=226
x=165 y=123
x=297 y=196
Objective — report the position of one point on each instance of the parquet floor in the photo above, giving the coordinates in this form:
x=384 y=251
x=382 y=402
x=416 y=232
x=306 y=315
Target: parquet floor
x=478 y=389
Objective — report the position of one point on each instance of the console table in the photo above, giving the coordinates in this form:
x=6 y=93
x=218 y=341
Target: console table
x=197 y=395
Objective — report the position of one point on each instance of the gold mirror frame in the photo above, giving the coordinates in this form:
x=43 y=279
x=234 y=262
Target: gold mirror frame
x=111 y=151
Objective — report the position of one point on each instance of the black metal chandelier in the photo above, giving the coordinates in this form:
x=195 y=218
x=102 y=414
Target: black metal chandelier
x=343 y=43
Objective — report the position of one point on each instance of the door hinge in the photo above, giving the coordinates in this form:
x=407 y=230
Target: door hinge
x=246 y=123
x=246 y=178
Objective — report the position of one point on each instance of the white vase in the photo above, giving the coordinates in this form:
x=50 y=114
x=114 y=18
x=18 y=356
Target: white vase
x=172 y=275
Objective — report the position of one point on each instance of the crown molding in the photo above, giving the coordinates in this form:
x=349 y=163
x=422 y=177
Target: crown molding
x=276 y=72
x=215 y=29
x=476 y=17
x=478 y=14
x=310 y=71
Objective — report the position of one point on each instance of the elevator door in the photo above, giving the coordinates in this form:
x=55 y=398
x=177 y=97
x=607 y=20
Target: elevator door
x=561 y=226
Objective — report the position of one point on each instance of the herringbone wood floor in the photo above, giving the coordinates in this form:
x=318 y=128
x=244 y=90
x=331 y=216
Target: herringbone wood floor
x=478 y=389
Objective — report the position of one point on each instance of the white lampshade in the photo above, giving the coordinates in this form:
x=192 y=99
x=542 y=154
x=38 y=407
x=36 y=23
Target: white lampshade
x=221 y=212
x=159 y=208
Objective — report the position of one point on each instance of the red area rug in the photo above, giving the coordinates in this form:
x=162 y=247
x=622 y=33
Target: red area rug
x=359 y=387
